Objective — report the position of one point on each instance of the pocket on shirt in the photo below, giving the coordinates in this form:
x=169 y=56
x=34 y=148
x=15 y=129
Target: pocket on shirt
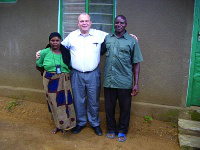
x=95 y=47
x=124 y=52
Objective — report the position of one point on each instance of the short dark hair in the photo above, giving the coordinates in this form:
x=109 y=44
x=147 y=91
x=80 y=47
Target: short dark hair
x=122 y=16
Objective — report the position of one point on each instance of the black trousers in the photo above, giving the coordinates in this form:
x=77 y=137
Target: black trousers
x=124 y=97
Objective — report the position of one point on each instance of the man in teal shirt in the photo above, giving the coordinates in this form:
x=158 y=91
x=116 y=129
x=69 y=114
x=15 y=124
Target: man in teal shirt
x=121 y=75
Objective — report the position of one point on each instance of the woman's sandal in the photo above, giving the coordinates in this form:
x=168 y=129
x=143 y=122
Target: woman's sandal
x=57 y=130
x=54 y=131
x=110 y=135
x=64 y=131
x=121 y=137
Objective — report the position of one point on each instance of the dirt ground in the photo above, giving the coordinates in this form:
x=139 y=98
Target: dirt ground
x=28 y=125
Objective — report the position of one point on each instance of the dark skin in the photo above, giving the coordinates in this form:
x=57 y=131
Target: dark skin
x=57 y=130
x=55 y=47
x=120 y=28
x=136 y=71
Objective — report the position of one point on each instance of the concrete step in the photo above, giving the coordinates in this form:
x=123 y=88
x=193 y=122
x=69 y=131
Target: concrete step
x=188 y=142
x=189 y=127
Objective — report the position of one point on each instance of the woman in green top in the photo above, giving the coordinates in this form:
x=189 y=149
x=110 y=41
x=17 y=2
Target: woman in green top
x=55 y=60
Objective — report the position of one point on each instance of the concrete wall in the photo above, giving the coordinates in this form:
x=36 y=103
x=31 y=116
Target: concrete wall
x=25 y=27
x=164 y=29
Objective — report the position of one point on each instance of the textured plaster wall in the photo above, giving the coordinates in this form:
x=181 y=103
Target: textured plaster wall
x=25 y=27
x=164 y=29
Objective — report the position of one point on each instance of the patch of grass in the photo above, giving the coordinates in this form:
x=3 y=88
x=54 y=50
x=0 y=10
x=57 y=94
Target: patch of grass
x=148 y=119
x=11 y=105
x=195 y=116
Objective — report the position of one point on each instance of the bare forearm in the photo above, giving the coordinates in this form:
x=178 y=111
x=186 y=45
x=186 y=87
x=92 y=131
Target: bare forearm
x=136 y=72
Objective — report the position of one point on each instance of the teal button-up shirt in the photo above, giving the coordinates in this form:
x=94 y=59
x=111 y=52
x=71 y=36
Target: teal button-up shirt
x=121 y=54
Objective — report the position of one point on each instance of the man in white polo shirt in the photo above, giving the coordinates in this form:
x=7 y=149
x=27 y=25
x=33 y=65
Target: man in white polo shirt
x=84 y=45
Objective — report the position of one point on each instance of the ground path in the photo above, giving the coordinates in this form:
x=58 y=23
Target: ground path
x=28 y=125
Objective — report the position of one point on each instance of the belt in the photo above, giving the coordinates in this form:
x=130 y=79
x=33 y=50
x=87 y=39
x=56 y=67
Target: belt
x=83 y=72
x=86 y=71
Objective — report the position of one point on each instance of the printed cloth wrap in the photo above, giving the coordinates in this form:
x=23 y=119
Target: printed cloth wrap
x=59 y=99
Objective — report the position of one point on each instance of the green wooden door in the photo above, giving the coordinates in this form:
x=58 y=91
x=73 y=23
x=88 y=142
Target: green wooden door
x=193 y=97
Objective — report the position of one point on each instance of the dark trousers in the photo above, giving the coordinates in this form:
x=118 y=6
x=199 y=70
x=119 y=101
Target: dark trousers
x=124 y=97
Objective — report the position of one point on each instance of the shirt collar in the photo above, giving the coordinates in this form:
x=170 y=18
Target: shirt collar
x=91 y=33
x=125 y=35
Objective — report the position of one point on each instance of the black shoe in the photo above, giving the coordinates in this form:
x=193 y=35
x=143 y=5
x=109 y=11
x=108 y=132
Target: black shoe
x=77 y=129
x=98 y=131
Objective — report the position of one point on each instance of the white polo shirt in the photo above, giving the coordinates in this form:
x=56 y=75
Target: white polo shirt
x=85 y=50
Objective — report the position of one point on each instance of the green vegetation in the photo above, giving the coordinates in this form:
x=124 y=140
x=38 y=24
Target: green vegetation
x=148 y=119
x=195 y=116
x=11 y=105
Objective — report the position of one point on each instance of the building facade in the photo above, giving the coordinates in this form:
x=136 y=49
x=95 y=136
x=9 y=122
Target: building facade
x=165 y=31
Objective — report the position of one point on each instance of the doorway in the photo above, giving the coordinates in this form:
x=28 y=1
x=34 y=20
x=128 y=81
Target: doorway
x=193 y=95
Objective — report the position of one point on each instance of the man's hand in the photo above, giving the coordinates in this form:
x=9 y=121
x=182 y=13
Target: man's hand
x=134 y=36
x=38 y=54
x=134 y=90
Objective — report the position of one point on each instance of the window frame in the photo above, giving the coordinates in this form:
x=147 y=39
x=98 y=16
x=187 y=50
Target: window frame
x=8 y=1
x=114 y=11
